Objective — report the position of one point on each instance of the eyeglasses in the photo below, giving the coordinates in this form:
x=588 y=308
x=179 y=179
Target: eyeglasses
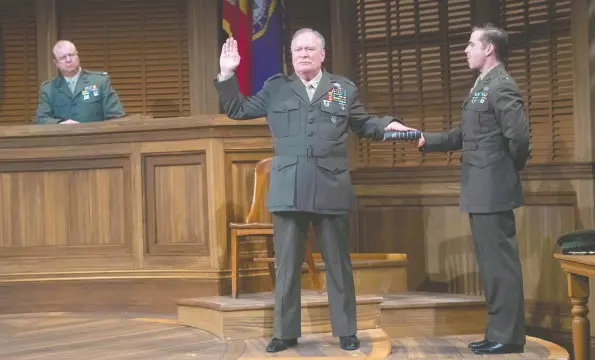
x=64 y=57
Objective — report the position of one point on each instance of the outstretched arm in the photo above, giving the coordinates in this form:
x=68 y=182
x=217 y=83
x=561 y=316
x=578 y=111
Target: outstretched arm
x=441 y=142
x=372 y=126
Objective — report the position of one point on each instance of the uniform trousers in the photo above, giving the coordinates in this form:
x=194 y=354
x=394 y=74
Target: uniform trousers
x=332 y=233
x=496 y=250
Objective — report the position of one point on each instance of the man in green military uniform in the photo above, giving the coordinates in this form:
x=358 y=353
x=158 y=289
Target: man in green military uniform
x=76 y=95
x=308 y=114
x=494 y=138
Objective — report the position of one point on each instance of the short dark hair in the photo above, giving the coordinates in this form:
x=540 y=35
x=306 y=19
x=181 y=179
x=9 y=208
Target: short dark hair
x=495 y=36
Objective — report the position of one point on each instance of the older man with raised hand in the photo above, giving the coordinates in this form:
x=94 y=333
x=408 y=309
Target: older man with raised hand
x=76 y=95
x=309 y=114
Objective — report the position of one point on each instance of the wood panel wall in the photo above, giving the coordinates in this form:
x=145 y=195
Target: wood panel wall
x=417 y=213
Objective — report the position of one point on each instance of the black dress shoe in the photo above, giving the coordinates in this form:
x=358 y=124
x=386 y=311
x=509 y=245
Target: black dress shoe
x=477 y=344
x=498 y=348
x=277 y=345
x=349 y=343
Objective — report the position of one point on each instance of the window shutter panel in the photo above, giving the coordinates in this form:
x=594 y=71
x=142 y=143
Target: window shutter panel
x=540 y=60
x=19 y=87
x=411 y=64
x=141 y=44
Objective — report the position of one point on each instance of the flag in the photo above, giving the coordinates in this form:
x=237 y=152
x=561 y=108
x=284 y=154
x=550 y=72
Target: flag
x=267 y=41
x=237 y=22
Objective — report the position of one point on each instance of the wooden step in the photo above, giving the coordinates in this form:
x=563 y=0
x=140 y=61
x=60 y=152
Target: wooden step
x=373 y=273
x=403 y=314
x=251 y=315
x=432 y=314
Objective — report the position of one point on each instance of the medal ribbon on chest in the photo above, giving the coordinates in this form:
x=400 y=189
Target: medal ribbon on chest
x=338 y=95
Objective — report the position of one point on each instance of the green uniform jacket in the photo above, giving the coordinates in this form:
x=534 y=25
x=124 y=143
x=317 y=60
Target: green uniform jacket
x=94 y=99
x=309 y=171
x=494 y=137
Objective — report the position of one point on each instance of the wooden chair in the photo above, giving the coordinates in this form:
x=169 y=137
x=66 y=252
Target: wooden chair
x=257 y=225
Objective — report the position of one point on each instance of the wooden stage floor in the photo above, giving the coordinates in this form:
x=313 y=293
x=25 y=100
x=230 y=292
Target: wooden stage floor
x=84 y=336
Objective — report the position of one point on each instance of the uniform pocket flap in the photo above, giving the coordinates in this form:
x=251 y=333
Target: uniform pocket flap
x=291 y=104
x=281 y=162
x=333 y=108
x=482 y=159
x=476 y=106
x=93 y=99
x=334 y=165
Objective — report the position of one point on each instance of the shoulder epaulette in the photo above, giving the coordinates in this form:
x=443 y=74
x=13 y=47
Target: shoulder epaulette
x=276 y=76
x=334 y=77
x=95 y=72
x=502 y=75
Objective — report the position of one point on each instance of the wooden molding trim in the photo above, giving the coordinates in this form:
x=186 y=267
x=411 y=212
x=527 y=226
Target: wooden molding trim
x=131 y=129
x=146 y=295
x=449 y=174
x=210 y=275
x=531 y=199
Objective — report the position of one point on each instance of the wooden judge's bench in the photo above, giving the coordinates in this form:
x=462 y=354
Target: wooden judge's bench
x=125 y=214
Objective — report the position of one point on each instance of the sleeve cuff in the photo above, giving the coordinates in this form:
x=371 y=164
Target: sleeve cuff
x=220 y=77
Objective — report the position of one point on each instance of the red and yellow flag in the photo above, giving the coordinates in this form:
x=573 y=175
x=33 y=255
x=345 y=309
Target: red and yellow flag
x=237 y=22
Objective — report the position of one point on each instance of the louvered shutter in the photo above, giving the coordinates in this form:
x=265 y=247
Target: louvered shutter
x=411 y=64
x=314 y=14
x=540 y=60
x=142 y=44
x=18 y=62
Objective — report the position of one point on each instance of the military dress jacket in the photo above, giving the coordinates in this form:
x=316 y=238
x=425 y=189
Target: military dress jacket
x=310 y=170
x=94 y=99
x=494 y=138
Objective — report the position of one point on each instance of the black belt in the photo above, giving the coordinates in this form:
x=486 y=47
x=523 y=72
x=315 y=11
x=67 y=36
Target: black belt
x=310 y=151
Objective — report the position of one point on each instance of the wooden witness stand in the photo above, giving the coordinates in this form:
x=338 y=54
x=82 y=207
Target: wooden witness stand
x=257 y=224
x=579 y=269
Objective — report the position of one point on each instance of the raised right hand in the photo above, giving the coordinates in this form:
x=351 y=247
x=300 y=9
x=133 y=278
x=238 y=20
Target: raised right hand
x=230 y=57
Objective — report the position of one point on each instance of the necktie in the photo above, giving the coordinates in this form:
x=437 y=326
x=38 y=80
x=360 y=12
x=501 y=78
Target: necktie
x=310 y=89
x=71 y=85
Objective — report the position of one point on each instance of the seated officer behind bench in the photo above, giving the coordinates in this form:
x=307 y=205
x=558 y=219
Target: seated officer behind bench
x=76 y=95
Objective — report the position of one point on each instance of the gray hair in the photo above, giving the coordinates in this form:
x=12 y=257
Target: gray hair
x=308 y=30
